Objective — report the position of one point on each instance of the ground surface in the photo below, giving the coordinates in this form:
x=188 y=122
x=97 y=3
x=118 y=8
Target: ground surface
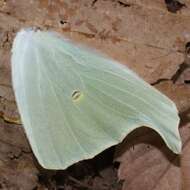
x=150 y=37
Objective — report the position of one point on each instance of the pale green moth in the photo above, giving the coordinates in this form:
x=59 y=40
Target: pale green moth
x=75 y=103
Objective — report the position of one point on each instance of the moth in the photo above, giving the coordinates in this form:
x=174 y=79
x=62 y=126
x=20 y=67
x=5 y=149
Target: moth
x=75 y=102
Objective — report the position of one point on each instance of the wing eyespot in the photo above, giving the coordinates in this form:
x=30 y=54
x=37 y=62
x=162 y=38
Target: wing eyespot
x=76 y=95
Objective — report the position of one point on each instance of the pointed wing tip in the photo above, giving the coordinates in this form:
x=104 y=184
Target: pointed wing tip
x=174 y=142
x=177 y=149
x=177 y=146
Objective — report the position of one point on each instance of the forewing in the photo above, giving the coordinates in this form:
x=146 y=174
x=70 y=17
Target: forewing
x=74 y=102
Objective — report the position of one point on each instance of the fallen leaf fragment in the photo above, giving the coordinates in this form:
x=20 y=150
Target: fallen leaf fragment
x=179 y=93
x=17 y=169
x=147 y=164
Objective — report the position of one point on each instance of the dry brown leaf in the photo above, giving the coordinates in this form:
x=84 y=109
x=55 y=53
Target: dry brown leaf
x=184 y=76
x=143 y=35
x=179 y=93
x=17 y=169
x=8 y=109
x=185 y=160
x=147 y=164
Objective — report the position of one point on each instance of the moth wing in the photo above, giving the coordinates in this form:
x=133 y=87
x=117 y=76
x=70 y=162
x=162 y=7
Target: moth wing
x=75 y=103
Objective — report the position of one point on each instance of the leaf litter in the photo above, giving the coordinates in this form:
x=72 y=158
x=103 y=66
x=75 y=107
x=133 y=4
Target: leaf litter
x=150 y=37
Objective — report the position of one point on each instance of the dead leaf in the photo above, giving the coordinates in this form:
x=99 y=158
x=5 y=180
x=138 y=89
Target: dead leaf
x=179 y=93
x=8 y=108
x=142 y=34
x=17 y=169
x=148 y=45
x=147 y=164
x=185 y=160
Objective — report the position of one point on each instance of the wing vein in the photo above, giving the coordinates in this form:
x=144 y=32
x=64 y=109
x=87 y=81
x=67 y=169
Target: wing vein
x=71 y=131
x=51 y=140
x=132 y=94
x=112 y=73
